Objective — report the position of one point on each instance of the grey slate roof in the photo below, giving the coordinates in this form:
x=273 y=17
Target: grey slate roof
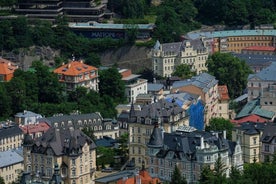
x=62 y=142
x=10 y=130
x=155 y=87
x=251 y=128
x=156 y=138
x=204 y=81
x=267 y=74
x=187 y=143
x=176 y=47
x=161 y=108
x=10 y=157
x=27 y=114
x=73 y=118
x=269 y=133
x=253 y=59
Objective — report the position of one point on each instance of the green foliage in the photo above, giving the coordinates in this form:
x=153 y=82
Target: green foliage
x=177 y=177
x=183 y=71
x=93 y=59
x=220 y=124
x=133 y=8
x=229 y=70
x=104 y=155
x=2 y=180
x=236 y=12
x=131 y=21
x=112 y=85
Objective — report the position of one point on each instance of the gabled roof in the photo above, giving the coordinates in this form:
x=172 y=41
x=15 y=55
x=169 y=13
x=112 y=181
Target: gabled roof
x=34 y=128
x=26 y=114
x=267 y=74
x=204 y=81
x=74 y=68
x=250 y=118
x=62 y=142
x=9 y=130
x=10 y=157
x=253 y=107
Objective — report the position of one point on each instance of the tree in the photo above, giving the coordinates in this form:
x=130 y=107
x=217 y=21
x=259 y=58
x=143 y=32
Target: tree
x=229 y=70
x=219 y=171
x=207 y=175
x=2 y=180
x=5 y=102
x=220 y=124
x=177 y=178
x=133 y=8
x=93 y=59
x=111 y=84
x=183 y=71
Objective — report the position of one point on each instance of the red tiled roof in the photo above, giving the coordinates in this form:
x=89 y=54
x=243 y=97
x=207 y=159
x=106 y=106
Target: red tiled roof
x=7 y=67
x=34 y=128
x=260 y=48
x=223 y=92
x=74 y=68
x=144 y=176
x=250 y=118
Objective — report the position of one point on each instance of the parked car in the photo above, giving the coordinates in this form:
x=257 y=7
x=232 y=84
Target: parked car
x=108 y=169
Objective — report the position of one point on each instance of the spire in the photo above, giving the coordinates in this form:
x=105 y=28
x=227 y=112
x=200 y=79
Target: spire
x=156 y=138
x=56 y=178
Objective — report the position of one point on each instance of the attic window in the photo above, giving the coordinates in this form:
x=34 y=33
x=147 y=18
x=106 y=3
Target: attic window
x=64 y=69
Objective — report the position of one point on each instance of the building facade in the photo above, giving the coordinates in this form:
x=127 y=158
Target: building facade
x=77 y=74
x=236 y=40
x=11 y=165
x=268 y=141
x=133 y=85
x=26 y=117
x=190 y=150
x=93 y=122
x=166 y=57
x=76 y=11
x=204 y=85
x=249 y=136
x=223 y=102
x=11 y=136
x=72 y=150
x=141 y=124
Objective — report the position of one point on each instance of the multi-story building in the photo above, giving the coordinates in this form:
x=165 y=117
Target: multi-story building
x=71 y=150
x=93 y=121
x=223 y=102
x=11 y=165
x=26 y=117
x=76 y=74
x=249 y=136
x=7 y=69
x=166 y=56
x=11 y=136
x=133 y=85
x=204 y=85
x=190 y=150
x=263 y=50
x=76 y=11
x=268 y=140
x=141 y=124
x=236 y=40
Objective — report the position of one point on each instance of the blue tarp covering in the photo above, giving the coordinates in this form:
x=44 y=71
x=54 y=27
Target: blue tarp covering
x=196 y=112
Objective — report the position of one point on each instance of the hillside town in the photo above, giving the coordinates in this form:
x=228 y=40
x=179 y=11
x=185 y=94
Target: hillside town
x=208 y=106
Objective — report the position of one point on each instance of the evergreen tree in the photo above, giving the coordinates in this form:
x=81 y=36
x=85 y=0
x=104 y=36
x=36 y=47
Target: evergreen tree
x=177 y=178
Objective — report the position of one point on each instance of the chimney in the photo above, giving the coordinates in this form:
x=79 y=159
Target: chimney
x=69 y=65
x=224 y=134
x=201 y=142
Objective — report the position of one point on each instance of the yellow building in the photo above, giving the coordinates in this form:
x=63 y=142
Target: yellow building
x=10 y=136
x=11 y=165
x=141 y=123
x=71 y=149
x=249 y=135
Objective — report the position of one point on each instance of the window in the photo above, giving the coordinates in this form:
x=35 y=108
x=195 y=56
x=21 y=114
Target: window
x=74 y=172
x=267 y=148
x=139 y=139
x=254 y=151
x=254 y=140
